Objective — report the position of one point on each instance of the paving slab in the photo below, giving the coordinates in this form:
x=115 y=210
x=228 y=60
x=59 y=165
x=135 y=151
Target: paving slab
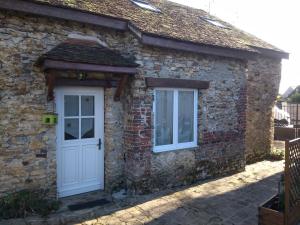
x=231 y=200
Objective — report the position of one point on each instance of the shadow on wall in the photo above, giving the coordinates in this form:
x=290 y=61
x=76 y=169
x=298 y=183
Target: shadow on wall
x=207 y=203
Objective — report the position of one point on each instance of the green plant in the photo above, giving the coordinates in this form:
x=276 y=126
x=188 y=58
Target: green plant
x=279 y=98
x=276 y=155
x=25 y=203
x=295 y=98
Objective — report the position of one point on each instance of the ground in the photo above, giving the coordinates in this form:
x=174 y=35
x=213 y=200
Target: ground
x=231 y=200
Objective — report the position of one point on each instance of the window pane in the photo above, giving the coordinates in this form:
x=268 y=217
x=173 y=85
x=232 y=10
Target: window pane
x=164 y=118
x=185 y=116
x=146 y=6
x=87 y=105
x=71 y=105
x=71 y=129
x=87 y=128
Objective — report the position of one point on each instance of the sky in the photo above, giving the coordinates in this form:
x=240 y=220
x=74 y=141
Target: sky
x=275 y=21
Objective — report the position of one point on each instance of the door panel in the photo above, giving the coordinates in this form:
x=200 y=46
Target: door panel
x=90 y=166
x=80 y=163
x=70 y=168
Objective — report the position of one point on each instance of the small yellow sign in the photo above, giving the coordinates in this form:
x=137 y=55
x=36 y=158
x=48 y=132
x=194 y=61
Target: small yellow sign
x=49 y=119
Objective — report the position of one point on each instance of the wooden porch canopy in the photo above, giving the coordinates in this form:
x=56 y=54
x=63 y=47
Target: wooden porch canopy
x=86 y=56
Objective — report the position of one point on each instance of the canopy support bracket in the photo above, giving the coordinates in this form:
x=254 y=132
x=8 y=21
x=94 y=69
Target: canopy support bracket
x=121 y=87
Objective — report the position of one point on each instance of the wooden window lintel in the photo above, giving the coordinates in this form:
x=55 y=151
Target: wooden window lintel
x=176 y=83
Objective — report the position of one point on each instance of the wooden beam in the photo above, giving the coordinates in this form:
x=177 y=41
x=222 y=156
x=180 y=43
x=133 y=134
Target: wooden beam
x=196 y=48
x=86 y=83
x=164 y=42
x=176 y=83
x=50 y=82
x=121 y=87
x=108 y=80
x=60 y=12
x=272 y=53
x=61 y=65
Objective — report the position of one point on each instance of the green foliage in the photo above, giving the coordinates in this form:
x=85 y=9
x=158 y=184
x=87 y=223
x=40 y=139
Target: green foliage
x=276 y=155
x=295 y=98
x=279 y=97
x=25 y=203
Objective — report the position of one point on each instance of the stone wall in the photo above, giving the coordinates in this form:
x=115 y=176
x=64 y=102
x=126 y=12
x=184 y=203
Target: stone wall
x=27 y=147
x=114 y=152
x=221 y=121
x=28 y=150
x=263 y=84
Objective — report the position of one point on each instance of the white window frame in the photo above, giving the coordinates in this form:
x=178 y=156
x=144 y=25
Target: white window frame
x=176 y=145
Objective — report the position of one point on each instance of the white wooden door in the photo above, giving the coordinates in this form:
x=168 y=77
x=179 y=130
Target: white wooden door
x=80 y=149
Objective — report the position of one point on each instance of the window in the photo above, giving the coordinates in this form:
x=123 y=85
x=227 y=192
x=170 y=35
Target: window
x=175 y=119
x=79 y=117
x=214 y=22
x=145 y=5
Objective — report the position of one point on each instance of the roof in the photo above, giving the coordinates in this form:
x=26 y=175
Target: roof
x=88 y=52
x=288 y=92
x=175 y=21
x=175 y=26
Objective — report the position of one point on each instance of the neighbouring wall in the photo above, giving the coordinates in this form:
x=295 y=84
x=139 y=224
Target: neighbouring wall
x=262 y=89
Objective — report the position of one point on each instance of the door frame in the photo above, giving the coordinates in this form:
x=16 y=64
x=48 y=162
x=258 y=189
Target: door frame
x=58 y=93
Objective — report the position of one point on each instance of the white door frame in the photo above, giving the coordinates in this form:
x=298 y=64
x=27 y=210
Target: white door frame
x=99 y=133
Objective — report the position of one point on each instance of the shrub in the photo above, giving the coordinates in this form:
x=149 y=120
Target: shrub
x=295 y=98
x=276 y=155
x=25 y=203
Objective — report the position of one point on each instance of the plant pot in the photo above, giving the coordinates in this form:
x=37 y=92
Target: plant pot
x=270 y=214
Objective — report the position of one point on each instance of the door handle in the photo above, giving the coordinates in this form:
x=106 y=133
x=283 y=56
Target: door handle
x=99 y=144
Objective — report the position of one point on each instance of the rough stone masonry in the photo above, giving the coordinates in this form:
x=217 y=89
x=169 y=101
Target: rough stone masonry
x=229 y=128
x=263 y=80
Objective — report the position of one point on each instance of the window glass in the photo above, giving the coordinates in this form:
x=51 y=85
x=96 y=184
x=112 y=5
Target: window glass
x=71 y=129
x=145 y=5
x=87 y=105
x=79 y=124
x=214 y=22
x=87 y=128
x=175 y=116
x=71 y=105
x=185 y=116
x=164 y=118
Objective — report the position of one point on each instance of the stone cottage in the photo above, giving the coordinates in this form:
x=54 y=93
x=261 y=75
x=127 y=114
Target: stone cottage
x=135 y=94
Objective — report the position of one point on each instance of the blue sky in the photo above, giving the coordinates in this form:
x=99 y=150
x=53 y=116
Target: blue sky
x=275 y=21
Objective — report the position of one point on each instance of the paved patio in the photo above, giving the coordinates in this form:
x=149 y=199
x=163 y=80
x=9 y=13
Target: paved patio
x=231 y=200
